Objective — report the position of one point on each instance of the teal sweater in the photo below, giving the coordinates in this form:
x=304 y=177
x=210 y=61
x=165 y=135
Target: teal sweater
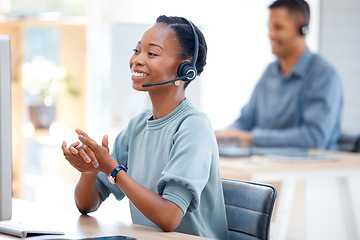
x=176 y=157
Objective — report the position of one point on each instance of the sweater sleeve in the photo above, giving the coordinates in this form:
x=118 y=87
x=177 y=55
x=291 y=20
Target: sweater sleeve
x=187 y=172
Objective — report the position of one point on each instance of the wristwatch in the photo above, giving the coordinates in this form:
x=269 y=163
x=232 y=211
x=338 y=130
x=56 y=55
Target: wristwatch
x=111 y=176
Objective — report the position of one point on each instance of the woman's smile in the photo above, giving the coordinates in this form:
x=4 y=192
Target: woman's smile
x=138 y=76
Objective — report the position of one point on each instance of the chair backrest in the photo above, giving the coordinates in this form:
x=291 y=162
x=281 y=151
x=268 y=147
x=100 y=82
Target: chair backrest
x=249 y=208
x=349 y=143
x=357 y=145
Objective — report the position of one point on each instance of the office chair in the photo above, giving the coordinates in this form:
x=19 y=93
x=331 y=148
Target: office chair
x=357 y=145
x=349 y=143
x=249 y=207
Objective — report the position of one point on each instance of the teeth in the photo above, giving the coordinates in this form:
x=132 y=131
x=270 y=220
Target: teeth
x=137 y=74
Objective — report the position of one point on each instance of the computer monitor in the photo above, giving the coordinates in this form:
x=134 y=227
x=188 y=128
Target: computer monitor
x=5 y=130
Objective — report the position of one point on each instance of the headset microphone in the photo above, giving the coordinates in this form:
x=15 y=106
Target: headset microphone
x=187 y=70
x=183 y=78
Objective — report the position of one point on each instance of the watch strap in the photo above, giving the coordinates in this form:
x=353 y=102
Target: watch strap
x=112 y=175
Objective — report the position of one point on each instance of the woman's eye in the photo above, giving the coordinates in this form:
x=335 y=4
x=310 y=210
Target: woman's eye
x=136 y=51
x=152 y=54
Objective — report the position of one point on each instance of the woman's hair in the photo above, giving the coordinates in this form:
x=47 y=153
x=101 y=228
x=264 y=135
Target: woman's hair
x=185 y=35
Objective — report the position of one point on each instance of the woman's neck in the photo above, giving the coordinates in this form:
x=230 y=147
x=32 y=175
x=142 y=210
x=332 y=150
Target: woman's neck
x=165 y=102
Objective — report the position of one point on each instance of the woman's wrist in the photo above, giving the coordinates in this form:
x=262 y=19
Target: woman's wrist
x=89 y=174
x=111 y=166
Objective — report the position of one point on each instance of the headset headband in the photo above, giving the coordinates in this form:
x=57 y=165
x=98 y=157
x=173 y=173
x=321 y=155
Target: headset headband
x=196 y=49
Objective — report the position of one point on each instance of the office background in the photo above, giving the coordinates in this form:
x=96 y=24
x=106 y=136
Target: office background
x=239 y=50
x=98 y=42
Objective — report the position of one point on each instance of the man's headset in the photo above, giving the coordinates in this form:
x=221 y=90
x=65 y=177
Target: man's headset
x=303 y=30
x=187 y=70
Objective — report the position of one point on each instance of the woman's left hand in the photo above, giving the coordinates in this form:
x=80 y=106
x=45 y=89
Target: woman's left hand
x=78 y=158
x=100 y=153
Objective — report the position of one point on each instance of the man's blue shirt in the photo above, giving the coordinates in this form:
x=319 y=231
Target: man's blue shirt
x=302 y=110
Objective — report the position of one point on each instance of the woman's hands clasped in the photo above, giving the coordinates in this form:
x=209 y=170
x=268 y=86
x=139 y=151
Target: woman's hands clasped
x=87 y=156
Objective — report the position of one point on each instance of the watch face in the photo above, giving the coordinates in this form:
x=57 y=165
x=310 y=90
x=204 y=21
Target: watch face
x=111 y=179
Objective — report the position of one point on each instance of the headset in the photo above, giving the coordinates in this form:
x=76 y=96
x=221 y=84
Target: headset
x=303 y=30
x=187 y=70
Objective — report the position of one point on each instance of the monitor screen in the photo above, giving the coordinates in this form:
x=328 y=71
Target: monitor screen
x=5 y=130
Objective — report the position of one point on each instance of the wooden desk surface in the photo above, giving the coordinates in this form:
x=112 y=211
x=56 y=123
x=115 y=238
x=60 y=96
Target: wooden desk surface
x=76 y=226
x=248 y=167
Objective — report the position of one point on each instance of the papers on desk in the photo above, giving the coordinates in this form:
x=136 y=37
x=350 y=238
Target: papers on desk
x=283 y=154
x=234 y=151
x=302 y=158
x=295 y=155
x=237 y=151
x=21 y=230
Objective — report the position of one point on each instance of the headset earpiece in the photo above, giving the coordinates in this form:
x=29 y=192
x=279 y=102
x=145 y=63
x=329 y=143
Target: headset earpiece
x=304 y=30
x=186 y=69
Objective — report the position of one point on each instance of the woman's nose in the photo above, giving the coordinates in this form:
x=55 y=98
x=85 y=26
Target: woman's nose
x=138 y=60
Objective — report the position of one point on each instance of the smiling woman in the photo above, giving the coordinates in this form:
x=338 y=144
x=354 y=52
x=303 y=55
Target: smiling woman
x=186 y=71
x=153 y=60
x=166 y=160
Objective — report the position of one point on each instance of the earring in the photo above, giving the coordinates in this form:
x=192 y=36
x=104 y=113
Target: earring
x=177 y=83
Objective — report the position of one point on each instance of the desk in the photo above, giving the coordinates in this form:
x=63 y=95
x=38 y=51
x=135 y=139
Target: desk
x=76 y=226
x=317 y=176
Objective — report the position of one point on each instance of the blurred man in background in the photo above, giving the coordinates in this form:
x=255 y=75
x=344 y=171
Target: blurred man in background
x=298 y=100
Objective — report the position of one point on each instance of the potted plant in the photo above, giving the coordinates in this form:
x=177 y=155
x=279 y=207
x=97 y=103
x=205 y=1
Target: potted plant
x=43 y=82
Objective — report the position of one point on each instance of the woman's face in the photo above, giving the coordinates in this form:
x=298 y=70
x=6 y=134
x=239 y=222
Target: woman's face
x=155 y=58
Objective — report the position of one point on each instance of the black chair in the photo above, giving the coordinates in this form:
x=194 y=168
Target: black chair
x=249 y=208
x=349 y=143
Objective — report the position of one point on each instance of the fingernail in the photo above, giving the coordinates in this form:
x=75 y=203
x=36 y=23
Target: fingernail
x=96 y=165
x=87 y=159
x=81 y=136
x=74 y=150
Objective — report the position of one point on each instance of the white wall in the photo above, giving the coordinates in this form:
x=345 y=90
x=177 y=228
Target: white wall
x=340 y=44
x=5 y=6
